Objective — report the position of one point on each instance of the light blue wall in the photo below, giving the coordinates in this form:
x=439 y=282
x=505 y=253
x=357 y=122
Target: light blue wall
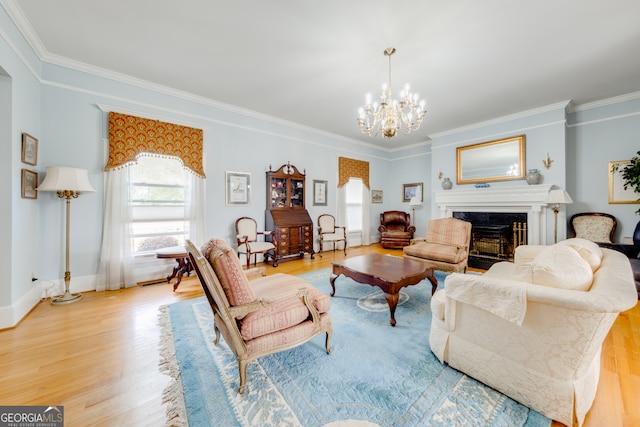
x=599 y=134
x=66 y=110
x=20 y=96
x=545 y=131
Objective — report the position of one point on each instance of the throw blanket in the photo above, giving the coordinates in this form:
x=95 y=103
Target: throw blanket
x=504 y=298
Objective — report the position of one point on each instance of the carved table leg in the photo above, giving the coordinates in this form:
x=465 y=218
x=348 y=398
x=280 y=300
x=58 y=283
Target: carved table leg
x=332 y=280
x=392 y=300
x=184 y=266
x=434 y=283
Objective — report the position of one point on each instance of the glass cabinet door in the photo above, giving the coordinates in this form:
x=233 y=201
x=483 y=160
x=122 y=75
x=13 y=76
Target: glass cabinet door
x=297 y=193
x=278 y=193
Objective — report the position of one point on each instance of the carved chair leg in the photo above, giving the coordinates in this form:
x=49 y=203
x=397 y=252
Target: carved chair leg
x=242 y=369
x=217 y=340
x=326 y=343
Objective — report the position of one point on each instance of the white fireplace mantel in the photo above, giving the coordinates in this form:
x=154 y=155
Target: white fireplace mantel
x=529 y=199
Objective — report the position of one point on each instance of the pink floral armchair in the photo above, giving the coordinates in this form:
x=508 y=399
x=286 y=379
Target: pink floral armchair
x=261 y=316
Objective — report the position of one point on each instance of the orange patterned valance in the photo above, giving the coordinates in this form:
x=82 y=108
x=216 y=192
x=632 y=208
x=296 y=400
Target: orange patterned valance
x=130 y=136
x=351 y=168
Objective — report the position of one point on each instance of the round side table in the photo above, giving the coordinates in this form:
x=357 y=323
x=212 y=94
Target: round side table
x=180 y=254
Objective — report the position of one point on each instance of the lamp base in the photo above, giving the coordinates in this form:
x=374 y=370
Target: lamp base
x=67 y=298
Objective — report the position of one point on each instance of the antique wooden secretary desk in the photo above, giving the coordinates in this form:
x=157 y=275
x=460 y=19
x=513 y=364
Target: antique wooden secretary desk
x=286 y=214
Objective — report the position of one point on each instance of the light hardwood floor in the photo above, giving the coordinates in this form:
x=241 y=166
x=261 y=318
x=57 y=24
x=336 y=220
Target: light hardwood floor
x=99 y=357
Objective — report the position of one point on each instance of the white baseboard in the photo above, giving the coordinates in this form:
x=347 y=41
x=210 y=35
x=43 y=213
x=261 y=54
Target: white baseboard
x=11 y=315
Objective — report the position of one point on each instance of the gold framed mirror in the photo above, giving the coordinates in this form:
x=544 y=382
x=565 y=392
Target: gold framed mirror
x=491 y=161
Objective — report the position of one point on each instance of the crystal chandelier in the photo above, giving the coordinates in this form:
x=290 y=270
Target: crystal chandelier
x=390 y=115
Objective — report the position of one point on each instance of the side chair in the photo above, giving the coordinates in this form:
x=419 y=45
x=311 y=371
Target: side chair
x=329 y=232
x=248 y=244
x=261 y=316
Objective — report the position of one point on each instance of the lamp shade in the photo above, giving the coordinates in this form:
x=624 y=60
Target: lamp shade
x=558 y=197
x=60 y=178
x=415 y=201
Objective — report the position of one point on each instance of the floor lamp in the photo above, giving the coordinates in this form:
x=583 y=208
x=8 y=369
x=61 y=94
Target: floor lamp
x=68 y=183
x=559 y=197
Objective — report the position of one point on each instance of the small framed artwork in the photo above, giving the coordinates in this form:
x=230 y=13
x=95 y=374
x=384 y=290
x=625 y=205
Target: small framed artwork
x=410 y=191
x=29 y=184
x=319 y=193
x=617 y=192
x=237 y=188
x=29 y=149
x=376 y=196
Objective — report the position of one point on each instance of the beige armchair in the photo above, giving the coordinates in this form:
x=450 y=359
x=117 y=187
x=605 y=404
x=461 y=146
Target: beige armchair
x=520 y=329
x=263 y=316
x=248 y=244
x=329 y=232
x=446 y=246
x=595 y=226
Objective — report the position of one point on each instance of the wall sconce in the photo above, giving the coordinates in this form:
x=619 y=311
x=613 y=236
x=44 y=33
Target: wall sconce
x=547 y=162
x=440 y=174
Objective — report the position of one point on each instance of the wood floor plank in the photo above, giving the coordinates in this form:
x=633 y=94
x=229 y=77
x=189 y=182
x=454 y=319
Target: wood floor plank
x=99 y=356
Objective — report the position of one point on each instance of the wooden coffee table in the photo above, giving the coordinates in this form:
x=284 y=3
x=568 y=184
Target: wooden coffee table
x=389 y=273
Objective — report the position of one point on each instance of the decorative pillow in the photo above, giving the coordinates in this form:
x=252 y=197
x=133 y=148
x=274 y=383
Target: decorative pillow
x=560 y=266
x=227 y=267
x=588 y=250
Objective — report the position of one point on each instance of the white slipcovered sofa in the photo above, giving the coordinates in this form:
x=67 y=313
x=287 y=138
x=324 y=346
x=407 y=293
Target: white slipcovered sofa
x=534 y=329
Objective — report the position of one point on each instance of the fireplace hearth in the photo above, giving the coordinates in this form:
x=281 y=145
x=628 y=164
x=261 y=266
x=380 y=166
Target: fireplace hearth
x=522 y=199
x=494 y=236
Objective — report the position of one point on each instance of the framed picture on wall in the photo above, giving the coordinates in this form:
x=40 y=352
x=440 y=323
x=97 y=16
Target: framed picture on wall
x=29 y=183
x=376 y=196
x=237 y=188
x=410 y=191
x=29 y=149
x=617 y=192
x=319 y=193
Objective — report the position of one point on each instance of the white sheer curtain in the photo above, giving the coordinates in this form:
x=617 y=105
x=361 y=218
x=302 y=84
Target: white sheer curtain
x=194 y=209
x=116 y=269
x=341 y=214
x=116 y=257
x=366 y=216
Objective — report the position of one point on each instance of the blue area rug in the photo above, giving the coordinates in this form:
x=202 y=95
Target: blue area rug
x=377 y=375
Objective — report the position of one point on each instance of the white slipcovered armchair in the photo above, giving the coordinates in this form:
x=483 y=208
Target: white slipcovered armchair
x=534 y=329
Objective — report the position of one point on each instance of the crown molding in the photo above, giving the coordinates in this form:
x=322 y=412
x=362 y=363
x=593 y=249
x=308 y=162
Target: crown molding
x=604 y=102
x=503 y=119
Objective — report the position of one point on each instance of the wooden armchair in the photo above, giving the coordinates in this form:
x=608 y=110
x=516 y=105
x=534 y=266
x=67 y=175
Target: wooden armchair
x=329 y=232
x=262 y=316
x=248 y=244
x=395 y=229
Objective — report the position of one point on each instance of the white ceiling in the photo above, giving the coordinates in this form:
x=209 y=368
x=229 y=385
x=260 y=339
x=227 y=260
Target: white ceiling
x=312 y=62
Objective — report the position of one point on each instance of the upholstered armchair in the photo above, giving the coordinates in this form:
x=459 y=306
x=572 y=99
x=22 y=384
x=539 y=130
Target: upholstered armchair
x=595 y=226
x=329 y=232
x=261 y=316
x=446 y=245
x=527 y=330
x=248 y=244
x=395 y=229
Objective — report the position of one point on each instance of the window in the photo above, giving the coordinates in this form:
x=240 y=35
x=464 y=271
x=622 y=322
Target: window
x=157 y=198
x=354 y=204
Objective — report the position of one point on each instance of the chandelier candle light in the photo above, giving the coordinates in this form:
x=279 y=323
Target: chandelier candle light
x=390 y=115
x=68 y=183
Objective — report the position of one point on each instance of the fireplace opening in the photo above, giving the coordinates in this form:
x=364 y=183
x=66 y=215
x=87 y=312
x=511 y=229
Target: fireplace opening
x=494 y=236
